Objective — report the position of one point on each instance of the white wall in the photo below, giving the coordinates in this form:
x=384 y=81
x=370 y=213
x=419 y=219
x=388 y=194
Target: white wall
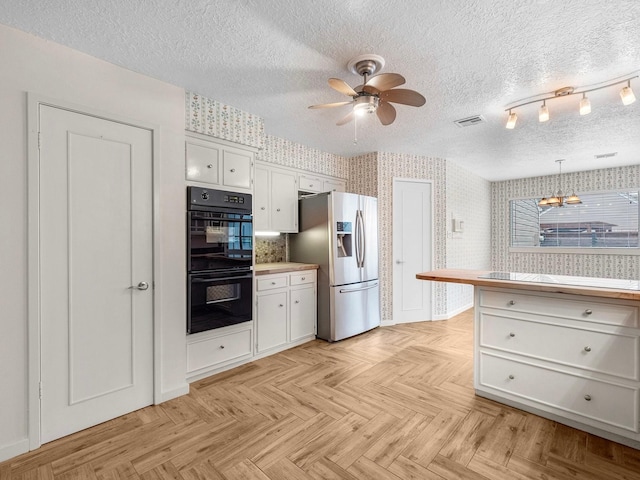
x=33 y=65
x=468 y=199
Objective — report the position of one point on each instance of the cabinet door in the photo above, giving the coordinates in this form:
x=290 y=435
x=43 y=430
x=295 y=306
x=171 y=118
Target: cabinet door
x=236 y=169
x=309 y=184
x=284 y=201
x=202 y=163
x=303 y=313
x=261 y=200
x=334 y=186
x=272 y=321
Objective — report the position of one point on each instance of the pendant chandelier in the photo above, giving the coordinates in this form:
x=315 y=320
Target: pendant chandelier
x=558 y=199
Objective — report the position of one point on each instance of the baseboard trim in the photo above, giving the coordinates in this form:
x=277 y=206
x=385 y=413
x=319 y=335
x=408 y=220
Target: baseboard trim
x=14 y=449
x=175 y=393
x=453 y=313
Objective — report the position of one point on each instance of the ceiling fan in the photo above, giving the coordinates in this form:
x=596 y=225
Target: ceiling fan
x=376 y=94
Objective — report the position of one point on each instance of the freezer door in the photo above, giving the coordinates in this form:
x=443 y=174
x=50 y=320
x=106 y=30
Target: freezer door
x=342 y=232
x=354 y=309
x=369 y=255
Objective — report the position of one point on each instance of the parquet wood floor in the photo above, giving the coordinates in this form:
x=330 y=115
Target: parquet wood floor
x=394 y=403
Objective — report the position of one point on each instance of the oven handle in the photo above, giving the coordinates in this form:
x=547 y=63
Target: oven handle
x=227 y=220
x=219 y=279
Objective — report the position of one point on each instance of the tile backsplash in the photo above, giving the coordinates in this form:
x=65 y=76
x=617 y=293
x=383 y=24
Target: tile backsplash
x=272 y=249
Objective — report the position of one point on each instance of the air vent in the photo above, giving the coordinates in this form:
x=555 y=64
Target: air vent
x=470 y=121
x=606 y=155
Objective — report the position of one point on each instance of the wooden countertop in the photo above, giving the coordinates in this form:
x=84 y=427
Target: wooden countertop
x=552 y=283
x=282 y=267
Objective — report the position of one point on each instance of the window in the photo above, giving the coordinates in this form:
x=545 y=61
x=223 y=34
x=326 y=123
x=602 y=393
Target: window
x=602 y=220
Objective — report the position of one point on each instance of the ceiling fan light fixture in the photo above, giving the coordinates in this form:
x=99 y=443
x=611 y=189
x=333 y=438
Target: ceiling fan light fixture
x=365 y=104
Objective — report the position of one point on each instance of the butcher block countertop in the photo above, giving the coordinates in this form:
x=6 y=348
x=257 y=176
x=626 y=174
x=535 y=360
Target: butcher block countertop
x=282 y=267
x=591 y=286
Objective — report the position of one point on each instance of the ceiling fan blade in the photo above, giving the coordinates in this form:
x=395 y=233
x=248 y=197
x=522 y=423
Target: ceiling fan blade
x=386 y=113
x=385 y=81
x=330 y=105
x=370 y=89
x=403 y=96
x=346 y=119
x=342 y=87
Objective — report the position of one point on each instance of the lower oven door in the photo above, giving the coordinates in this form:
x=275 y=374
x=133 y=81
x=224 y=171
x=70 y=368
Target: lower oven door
x=218 y=300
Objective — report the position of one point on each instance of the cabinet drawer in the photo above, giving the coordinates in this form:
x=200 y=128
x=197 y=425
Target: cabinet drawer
x=609 y=403
x=572 y=308
x=308 y=276
x=202 y=163
x=597 y=351
x=211 y=351
x=270 y=283
x=309 y=184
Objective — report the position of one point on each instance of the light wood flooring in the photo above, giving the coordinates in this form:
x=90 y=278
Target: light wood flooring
x=394 y=403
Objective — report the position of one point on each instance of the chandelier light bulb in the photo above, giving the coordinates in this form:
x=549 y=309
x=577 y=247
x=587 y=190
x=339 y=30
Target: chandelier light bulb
x=543 y=114
x=626 y=94
x=585 y=105
x=511 y=121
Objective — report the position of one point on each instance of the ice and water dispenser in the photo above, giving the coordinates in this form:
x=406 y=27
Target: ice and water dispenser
x=344 y=239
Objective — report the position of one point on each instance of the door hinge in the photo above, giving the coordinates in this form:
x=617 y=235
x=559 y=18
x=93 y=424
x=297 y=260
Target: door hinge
x=40 y=390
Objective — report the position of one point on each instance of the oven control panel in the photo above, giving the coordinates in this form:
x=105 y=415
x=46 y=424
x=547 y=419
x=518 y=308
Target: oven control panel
x=199 y=198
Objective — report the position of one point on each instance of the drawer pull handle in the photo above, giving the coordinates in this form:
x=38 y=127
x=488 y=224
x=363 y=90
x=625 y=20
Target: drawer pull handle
x=210 y=165
x=277 y=209
x=310 y=185
x=511 y=302
x=512 y=334
x=303 y=278
x=232 y=170
x=273 y=283
x=587 y=398
x=588 y=311
x=281 y=305
x=262 y=208
x=297 y=301
x=587 y=349
x=511 y=377
x=221 y=347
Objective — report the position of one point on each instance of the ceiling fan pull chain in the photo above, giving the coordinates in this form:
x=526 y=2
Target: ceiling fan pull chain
x=355 y=129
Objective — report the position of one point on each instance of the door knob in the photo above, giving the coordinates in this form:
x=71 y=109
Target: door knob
x=142 y=286
x=399 y=262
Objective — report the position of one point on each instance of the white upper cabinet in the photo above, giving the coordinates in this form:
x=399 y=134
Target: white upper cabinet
x=334 y=186
x=316 y=183
x=275 y=199
x=218 y=163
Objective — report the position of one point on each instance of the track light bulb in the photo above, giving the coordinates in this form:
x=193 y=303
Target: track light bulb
x=627 y=94
x=511 y=121
x=543 y=114
x=585 y=105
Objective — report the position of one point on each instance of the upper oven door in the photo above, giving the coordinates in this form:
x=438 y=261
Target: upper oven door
x=219 y=240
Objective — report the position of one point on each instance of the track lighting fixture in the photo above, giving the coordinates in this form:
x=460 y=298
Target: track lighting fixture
x=626 y=94
x=543 y=114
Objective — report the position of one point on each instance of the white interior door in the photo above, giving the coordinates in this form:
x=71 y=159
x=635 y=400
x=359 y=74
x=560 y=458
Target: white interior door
x=95 y=251
x=412 y=247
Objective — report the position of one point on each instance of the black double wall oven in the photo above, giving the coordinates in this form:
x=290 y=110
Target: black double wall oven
x=219 y=259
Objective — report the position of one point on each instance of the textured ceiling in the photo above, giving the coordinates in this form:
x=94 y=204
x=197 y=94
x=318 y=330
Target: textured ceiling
x=273 y=58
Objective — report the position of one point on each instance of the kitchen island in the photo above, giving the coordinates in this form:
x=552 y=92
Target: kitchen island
x=565 y=348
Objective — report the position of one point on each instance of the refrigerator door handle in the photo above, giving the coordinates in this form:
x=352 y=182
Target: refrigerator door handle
x=349 y=290
x=359 y=239
x=364 y=239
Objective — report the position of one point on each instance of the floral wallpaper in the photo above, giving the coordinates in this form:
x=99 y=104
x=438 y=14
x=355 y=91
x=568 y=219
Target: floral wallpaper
x=207 y=116
x=580 y=264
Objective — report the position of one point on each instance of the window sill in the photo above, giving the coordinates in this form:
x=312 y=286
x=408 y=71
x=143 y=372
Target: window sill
x=579 y=251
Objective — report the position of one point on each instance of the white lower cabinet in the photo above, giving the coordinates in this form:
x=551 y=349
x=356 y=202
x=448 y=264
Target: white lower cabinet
x=573 y=358
x=215 y=350
x=285 y=310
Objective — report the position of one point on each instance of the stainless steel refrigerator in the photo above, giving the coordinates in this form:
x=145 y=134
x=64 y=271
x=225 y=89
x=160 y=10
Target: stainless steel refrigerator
x=339 y=232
